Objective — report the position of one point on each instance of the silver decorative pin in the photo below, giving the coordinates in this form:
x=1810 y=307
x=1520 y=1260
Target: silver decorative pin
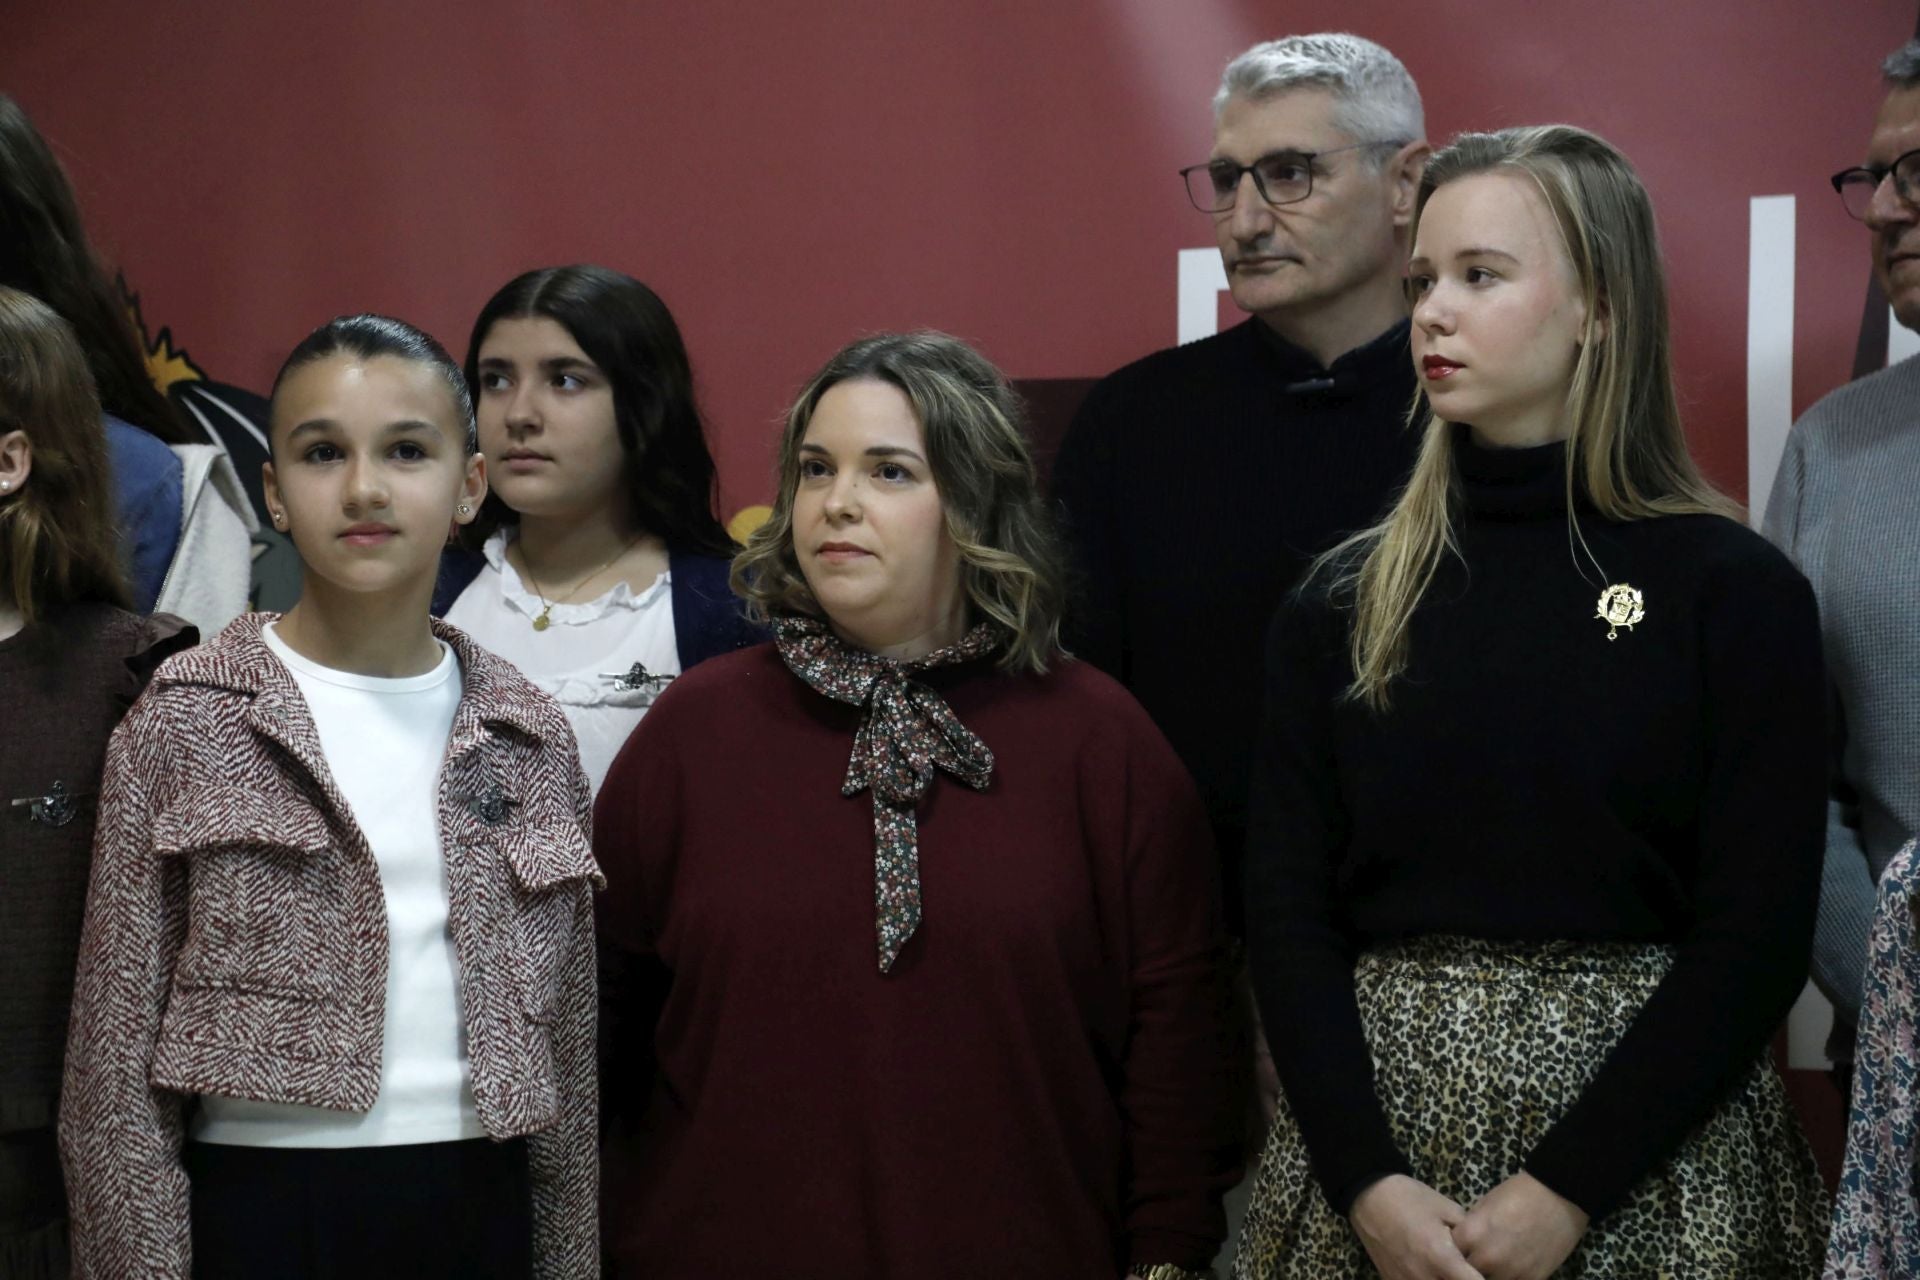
x=490 y=804
x=55 y=808
x=635 y=677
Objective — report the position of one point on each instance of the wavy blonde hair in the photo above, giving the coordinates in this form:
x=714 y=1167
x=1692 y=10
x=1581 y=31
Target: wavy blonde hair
x=1626 y=451
x=58 y=540
x=1010 y=558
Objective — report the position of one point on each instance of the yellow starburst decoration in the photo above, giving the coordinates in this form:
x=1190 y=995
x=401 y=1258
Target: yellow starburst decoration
x=165 y=365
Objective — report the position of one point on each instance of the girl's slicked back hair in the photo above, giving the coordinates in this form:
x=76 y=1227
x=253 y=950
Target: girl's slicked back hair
x=366 y=337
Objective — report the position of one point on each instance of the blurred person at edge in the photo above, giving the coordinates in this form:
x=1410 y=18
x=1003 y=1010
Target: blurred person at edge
x=1843 y=507
x=1261 y=446
x=597 y=565
x=1538 y=801
x=72 y=660
x=1025 y=1074
x=184 y=522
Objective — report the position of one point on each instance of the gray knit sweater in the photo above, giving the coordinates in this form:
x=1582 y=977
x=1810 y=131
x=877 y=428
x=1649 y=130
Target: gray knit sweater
x=1846 y=507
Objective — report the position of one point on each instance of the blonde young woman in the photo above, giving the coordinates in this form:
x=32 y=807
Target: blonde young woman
x=1540 y=796
x=910 y=961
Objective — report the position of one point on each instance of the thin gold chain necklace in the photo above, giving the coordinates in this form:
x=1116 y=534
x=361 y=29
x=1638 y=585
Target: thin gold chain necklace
x=543 y=621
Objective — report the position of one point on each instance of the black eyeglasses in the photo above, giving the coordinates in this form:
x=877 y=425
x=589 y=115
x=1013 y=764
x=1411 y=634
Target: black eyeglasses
x=1857 y=185
x=1283 y=177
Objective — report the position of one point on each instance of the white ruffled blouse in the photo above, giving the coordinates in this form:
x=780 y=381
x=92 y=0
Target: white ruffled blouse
x=586 y=658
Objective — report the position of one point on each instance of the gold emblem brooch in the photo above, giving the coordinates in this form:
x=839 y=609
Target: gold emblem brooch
x=1621 y=606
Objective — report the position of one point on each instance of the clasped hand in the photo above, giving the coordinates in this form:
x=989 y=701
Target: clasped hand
x=1520 y=1230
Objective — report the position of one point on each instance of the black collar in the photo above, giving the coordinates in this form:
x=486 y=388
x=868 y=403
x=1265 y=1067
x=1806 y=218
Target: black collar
x=1511 y=483
x=1387 y=356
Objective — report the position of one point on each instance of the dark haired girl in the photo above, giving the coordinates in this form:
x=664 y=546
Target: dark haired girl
x=335 y=1007
x=601 y=570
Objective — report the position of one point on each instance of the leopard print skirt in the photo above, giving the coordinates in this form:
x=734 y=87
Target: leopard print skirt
x=1459 y=1029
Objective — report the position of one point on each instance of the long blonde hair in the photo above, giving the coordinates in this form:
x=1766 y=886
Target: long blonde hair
x=1626 y=452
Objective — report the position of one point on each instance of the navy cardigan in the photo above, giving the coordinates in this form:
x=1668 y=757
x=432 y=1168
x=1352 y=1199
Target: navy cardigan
x=707 y=616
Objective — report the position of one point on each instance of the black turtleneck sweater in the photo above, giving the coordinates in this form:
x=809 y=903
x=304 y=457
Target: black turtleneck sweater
x=1198 y=484
x=1533 y=780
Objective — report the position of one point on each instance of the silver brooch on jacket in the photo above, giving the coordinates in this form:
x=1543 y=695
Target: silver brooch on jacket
x=55 y=808
x=634 y=678
x=1621 y=605
x=489 y=804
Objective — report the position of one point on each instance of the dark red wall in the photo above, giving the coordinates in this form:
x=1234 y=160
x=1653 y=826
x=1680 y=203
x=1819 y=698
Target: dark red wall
x=789 y=175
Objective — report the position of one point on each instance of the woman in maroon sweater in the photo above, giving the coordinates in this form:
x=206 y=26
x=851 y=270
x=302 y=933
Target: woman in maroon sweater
x=865 y=1020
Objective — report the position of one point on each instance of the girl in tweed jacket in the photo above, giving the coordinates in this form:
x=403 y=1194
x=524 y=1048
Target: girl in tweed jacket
x=334 y=1013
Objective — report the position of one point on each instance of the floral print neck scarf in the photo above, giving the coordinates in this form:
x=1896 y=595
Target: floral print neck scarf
x=906 y=732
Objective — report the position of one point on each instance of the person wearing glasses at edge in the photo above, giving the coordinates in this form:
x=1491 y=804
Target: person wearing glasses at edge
x=1539 y=798
x=1843 y=507
x=596 y=565
x=1291 y=427
x=911 y=930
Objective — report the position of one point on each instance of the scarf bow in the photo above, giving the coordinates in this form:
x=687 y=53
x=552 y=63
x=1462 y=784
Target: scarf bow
x=906 y=734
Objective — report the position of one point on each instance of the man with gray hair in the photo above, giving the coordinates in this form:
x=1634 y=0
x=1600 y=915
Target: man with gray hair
x=1844 y=507
x=1200 y=482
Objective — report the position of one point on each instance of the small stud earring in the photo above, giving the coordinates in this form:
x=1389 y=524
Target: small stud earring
x=5 y=485
x=279 y=519
x=464 y=508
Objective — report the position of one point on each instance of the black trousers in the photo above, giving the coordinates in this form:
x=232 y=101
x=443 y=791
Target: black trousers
x=33 y=1207
x=446 y=1209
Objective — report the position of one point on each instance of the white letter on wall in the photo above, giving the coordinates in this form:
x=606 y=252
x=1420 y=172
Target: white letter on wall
x=1769 y=344
x=1769 y=415
x=1202 y=278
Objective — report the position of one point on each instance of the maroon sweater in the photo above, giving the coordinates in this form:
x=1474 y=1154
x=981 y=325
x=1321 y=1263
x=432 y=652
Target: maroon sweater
x=1039 y=1087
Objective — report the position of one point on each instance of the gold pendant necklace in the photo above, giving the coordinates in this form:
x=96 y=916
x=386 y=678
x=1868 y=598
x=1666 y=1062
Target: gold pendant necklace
x=1621 y=605
x=545 y=617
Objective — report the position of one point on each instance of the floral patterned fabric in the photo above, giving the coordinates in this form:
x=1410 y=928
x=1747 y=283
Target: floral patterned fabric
x=906 y=732
x=1876 y=1219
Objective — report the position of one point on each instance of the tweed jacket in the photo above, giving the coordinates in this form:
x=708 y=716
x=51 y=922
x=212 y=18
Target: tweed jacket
x=236 y=942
